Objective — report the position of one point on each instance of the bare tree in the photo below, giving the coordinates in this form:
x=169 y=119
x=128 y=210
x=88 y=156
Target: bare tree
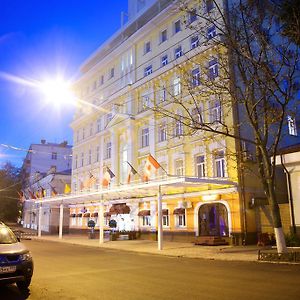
x=249 y=80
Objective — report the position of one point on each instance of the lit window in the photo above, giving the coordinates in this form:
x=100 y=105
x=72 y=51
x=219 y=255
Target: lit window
x=145 y=137
x=192 y=15
x=194 y=42
x=162 y=132
x=219 y=163
x=213 y=69
x=211 y=32
x=54 y=155
x=148 y=70
x=176 y=86
x=164 y=60
x=163 y=36
x=147 y=47
x=108 y=150
x=215 y=111
x=177 y=26
x=292 y=125
x=200 y=166
x=195 y=77
x=178 y=52
x=209 y=5
x=179 y=167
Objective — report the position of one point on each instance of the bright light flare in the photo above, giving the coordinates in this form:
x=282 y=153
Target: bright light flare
x=57 y=91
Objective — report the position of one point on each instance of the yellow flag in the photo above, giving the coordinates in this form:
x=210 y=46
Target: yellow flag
x=67 y=189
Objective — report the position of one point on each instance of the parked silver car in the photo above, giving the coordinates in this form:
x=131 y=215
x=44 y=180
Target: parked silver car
x=16 y=265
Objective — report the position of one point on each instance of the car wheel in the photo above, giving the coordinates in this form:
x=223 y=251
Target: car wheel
x=23 y=285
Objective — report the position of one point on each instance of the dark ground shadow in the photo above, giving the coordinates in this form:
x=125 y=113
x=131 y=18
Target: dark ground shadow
x=11 y=292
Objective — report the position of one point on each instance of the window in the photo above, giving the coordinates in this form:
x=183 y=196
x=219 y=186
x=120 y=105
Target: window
x=94 y=85
x=162 y=95
x=213 y=69
x=162 y=132
x=177 y=26
x=179 y=167
x=82 y=159
x=90 y=156
x=76 y=161
x=192 y=15
x=112 y=72
x=292 y=125
x=91 y=129
x=178 y=52
x=144 y=103
x=147 y=48
x=146 y=220
x=97 y=153
x=163 y=36
x=145 y=137
x=164 y=60
x=101 y=79
x=219 y=163
x=148 y=70
x=195 y=77
x=176 y=86
x=215 y=111
x=209 y=5
x=194 y=42
x=54 y=155
x=83 y=133
x=200 y=166
x=108 y=118
x=180 y=220
x=211 y=32
x=165 y=219
x=99 y=125
x=108 y=150
x=197 y=115
x=77 y=136
x=178 y=128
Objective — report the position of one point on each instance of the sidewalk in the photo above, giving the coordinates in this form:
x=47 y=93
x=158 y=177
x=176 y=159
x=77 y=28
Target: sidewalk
x=176 y=249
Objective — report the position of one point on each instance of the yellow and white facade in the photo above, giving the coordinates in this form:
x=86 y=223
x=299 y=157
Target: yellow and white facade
x=141 y=66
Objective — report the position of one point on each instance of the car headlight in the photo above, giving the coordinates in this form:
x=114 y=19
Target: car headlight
x=26 y=256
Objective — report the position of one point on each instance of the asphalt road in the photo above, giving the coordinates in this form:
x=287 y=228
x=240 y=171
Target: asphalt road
x=64 y=271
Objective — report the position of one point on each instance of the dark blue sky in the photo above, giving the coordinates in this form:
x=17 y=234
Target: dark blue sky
x=40 y=39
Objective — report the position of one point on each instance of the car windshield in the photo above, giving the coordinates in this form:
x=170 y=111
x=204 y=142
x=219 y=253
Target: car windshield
x=7 y=236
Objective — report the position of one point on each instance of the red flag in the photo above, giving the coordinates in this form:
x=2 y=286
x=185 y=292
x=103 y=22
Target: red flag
x=21 y=196
x=150 y=167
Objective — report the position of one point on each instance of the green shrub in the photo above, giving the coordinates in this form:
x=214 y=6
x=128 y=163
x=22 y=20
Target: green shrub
x=292 y=240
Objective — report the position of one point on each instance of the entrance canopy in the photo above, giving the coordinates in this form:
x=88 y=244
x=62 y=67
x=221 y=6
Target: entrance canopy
x=170 y=186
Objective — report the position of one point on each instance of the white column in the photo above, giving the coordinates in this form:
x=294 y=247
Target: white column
x=101 y=223
x=61 y=219
x=40 y=221
x=159 y=220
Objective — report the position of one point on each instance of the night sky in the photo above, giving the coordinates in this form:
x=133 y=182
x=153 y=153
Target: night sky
x=40 y=40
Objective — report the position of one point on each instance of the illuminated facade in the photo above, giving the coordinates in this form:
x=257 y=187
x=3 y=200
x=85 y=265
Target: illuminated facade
x=139 y=67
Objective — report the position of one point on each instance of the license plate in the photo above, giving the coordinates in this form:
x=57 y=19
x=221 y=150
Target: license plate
x=9 y=269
